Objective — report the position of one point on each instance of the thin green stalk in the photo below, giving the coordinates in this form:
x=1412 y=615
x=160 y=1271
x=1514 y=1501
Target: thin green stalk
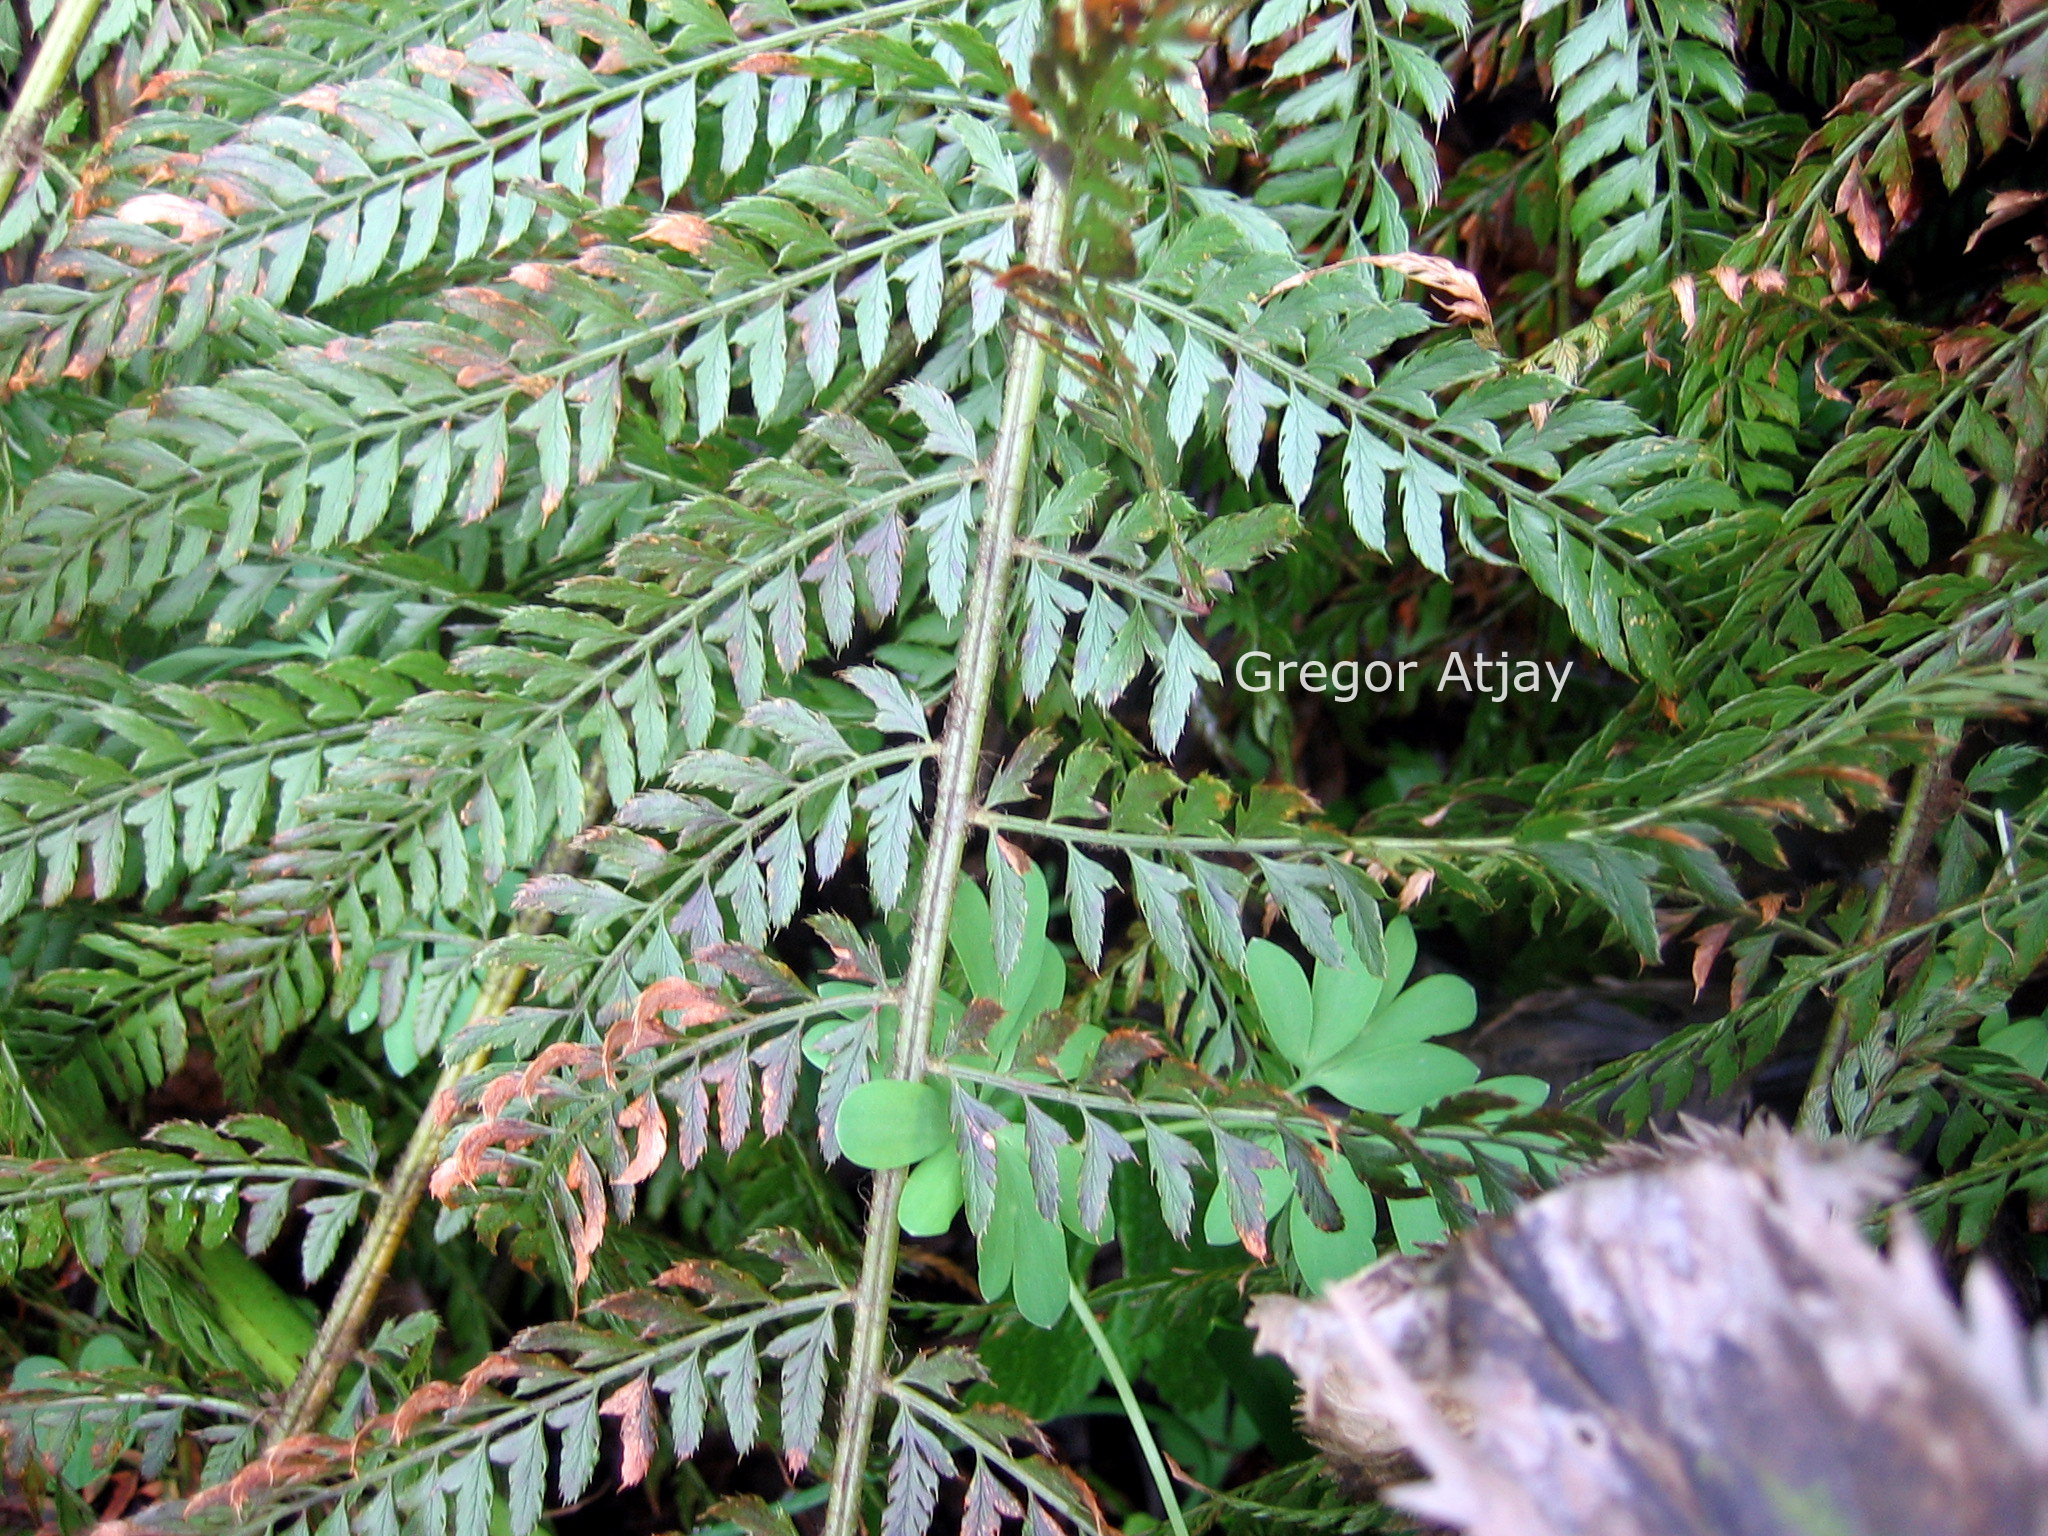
x=952 y=820
x=1114 y=1369
x=22 y=134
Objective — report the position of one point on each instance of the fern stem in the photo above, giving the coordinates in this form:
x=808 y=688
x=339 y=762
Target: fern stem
x=1910 y=839
x=403 y=1191
x=21 y=135
x=1114 y=1369
x=952 y=820
x=343 y=1324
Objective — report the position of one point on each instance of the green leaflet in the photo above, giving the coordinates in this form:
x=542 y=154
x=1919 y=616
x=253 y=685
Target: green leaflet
x=891 y=1124
x=1023 y=1251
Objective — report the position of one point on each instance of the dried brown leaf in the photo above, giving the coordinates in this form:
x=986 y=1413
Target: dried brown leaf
x=1707 y=945
x=633 y=1406
x=650 y=1127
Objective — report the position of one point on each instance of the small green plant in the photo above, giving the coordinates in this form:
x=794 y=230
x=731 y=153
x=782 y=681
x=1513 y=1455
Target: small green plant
x=1362 y=1036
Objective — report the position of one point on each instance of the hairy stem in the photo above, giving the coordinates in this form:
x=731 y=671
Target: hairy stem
x=1114 y=1368
x=22 y=134
x=952 y=819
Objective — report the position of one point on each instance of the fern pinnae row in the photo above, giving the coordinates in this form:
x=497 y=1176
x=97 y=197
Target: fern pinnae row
x=738 y=577
x=1184 y=1112
x=665 y=1065
x=1048 y=1489
x=1911 y=837
x=662 y=907
x=1907 y=450
x=1669 y=141
x=1782 y=232
x=1159 y=597
x=262 y=232
x=1365 y=410
x=445 y=788
x=162 y=781
x=1651 y=606
x=1760 y=1022
x=37 y=565
x=46 y=1186
x=377 y=45
x=602 y=675
x=438 y=1447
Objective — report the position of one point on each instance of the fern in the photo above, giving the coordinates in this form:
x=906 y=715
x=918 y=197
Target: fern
x=644 y=606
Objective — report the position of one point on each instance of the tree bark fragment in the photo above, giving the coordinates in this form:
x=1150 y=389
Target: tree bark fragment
x=1695 y=1340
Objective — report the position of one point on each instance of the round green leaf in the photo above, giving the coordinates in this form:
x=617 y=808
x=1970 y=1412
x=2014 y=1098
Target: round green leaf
x=1400 y=945
x=1391 y=1080
x=996 y=1253
x=1048 y=983
x=1417 y=1223
x=1327 y=1256
x=1343 y=1000
x=1040 y=1281
x=2025 y=1044
x=1282 y=993
x=104 y=1352
x=401 y=1039
x=36 y=1371
x=931 y=1195
x=888 y=1123
x=1527 y=1092
x=362 y=1013
x=1435 y=1005
x=972 y=937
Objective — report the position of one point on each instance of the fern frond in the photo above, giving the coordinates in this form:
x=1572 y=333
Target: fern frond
x=442 y=1445
x=377 y=176
x=1576 y=530
x=420 y=422
x=1821 y=46
x=1932 y=439
x=129 y=1199
x=1855 y=178
x=109 y=770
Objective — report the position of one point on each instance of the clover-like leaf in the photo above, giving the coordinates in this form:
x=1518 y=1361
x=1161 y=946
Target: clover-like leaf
x=932 y=1195
x=888 y=1123
x=1396 y=1078
x=1282 y=993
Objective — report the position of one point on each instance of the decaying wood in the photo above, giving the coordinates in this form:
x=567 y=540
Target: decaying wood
x=1695 y=1340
